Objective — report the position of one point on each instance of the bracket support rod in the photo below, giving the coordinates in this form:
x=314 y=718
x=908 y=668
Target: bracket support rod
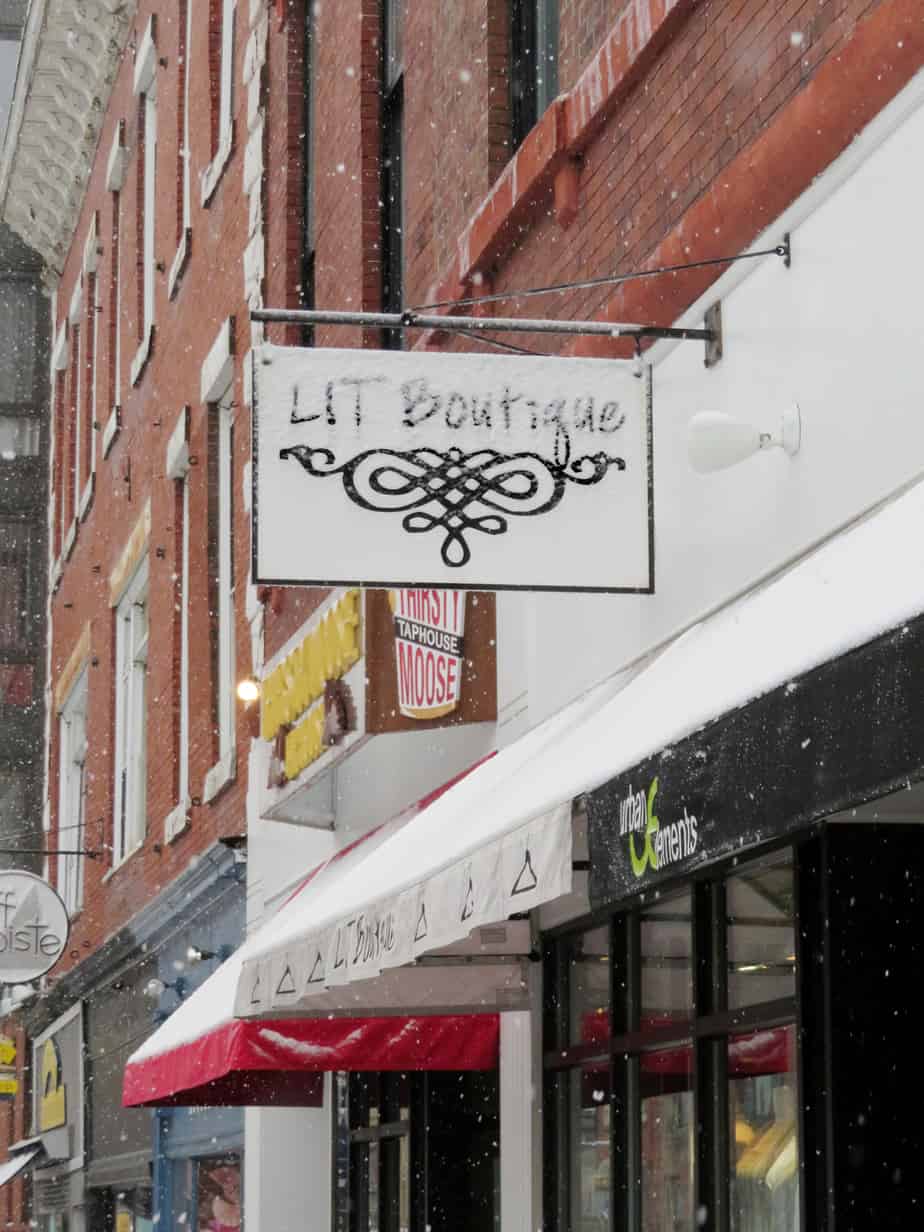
x=473 y=325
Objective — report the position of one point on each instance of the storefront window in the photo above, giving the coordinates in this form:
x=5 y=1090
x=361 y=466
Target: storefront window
x=760 y=906
x=207 y=1196
x=590 y=1146
x=589 y=986
x=667 y=1157
x=667 y=964
x=673 y=1096
x=416 y=1151
x=764 y=1165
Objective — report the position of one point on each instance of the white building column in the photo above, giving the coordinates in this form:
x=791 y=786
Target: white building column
x=521 y=1115
x=288 y=1168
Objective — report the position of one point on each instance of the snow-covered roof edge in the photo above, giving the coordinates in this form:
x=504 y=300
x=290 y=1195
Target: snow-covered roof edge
x=68 y=60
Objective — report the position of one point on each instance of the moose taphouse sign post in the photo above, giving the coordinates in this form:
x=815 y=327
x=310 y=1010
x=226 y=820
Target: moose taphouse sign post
x=393 y=469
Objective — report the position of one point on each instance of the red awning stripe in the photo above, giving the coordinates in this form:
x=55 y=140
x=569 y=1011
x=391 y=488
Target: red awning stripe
x=276 y=1062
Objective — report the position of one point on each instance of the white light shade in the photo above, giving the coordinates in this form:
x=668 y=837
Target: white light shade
x=154 y=988
x=248 y=690
x=716 y=441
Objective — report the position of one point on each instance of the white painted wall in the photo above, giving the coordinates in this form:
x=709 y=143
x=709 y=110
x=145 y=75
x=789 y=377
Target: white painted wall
x=839 y=333
x=287 y=1168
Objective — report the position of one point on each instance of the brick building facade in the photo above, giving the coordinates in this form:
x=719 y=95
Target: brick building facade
x=203 y=160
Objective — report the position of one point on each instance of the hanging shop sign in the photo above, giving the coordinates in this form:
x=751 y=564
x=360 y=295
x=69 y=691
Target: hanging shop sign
x=369 y=663
x=429 y=626
x=307 y=708
x=58 y=1088
x=9 y=1084
x=383 y=468
x=34 y=927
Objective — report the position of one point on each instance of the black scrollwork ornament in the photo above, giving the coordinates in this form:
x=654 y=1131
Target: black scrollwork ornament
x=454 y=492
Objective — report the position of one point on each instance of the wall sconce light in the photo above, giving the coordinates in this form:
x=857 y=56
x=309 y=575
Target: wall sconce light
x=716 y=441
x=195 y=954
x=248 y=690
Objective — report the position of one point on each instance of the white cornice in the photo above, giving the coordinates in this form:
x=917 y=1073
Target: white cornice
x=68 y=60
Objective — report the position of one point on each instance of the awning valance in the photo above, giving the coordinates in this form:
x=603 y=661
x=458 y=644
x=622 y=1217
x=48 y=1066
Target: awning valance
x=19 y=1162
x=203 y=1056
x=499 y=842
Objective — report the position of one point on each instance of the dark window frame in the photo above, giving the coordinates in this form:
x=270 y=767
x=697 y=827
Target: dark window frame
x=533 y=63
x=708 y=1027
x=391 y=146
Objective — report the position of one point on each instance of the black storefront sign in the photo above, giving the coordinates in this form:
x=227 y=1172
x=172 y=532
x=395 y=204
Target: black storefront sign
x=846 y=732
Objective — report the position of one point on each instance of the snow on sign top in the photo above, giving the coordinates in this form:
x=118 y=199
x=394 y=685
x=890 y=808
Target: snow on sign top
x=386 y=468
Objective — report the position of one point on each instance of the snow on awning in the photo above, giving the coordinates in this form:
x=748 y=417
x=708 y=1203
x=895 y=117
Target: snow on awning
x=203 y=1056
x=499 y=842
x=17 y=1163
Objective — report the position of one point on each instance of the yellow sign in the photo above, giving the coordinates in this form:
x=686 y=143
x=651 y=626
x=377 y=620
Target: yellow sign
x=326 y=652
x=123 y=1221
x=7 y=1050
x=53 y=1097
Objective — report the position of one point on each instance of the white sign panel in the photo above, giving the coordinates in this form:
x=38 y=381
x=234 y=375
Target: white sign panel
x=384 y=468
x=429 y=628
x=34 y=927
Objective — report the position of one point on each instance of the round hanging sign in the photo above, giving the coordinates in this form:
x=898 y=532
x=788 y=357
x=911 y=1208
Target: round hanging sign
x=34 y=927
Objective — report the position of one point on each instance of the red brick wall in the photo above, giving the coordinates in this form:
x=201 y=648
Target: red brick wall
x=14 y=1127
x=211 y=290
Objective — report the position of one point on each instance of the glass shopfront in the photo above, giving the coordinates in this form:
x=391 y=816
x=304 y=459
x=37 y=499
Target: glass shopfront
x=671 y=1060
x=416 y=1151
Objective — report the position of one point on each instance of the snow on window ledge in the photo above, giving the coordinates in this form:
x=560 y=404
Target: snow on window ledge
x=142 y=355
x=177 y=821
x=111 y=430
x=211 y=176
x=179 y=263
x=220 y=776
x=86 y=497
x=69 y=540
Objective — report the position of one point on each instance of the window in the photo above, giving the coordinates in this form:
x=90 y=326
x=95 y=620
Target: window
x=19 y=437
x=146 y=91
x=18 y=563
x=221 y=72
x=72 y=756
x=184 y=23
x=115 y=322
x=221 y=597
x=671 y=1061
x=207 y=1193
x=533 y=62
x=392 y=154
x=308 y=229
x=397 y=1160
x=130 y=714
x=20 y=305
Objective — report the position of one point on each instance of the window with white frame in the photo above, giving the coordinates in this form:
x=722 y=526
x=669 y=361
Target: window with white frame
x=150 y=199
x=72 y=787
x=184 y=17
x=146 y=90
x=225 y=693
x=223 y=92
x=129 y=822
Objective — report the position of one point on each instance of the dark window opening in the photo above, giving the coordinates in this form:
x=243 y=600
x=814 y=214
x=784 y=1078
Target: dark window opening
x=671 y=1062
x=416 y=1151
x=392 y=152
x=533 y=63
